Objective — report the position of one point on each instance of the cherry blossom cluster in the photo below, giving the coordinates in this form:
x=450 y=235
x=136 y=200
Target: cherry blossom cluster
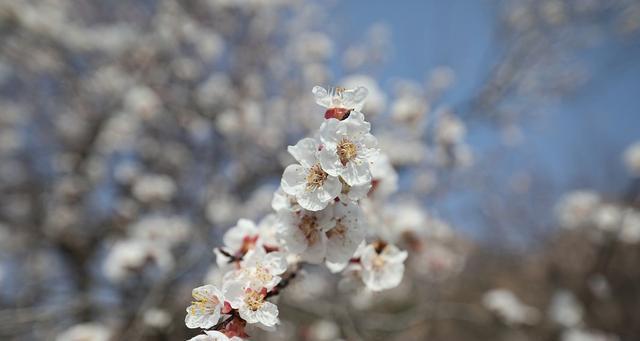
x=318 y=219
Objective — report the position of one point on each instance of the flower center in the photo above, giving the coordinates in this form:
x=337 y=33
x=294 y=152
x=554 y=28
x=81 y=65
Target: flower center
x=253 y=299
x=378 y=262
x=347 y=151
x=316 y=177
x=309 y=229
x=338 y=231
x=203 y=303
x=262 y=274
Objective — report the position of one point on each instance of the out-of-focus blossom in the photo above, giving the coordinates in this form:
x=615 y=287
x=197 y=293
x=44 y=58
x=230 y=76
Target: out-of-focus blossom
x=565 y=309
x=157 y=318
x=324 y=330
x=632 y=159
x=130 y=256
x=154 y=187
x=86 y=332
x=576 y=209
x=581 y=334
x=376 y=100
x=630 y=230
x=382 y=266
x=509 y=308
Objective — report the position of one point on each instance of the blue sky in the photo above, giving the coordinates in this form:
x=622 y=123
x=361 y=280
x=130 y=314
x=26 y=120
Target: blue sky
x=574 y=143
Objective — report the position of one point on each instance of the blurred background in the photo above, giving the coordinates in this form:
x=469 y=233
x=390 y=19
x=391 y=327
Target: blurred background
x=133 y=134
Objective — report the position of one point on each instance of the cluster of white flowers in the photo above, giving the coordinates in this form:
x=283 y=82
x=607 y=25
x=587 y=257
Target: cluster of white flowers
x=318 y=219
x=606 y=220
x=150 y=241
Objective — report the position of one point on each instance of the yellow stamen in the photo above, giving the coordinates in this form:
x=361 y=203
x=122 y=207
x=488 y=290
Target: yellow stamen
x=347 y=151
x=316 y=177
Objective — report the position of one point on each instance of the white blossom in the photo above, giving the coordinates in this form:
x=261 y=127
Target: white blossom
x=382 y=269
x=131 y=255
x=259 y=269
x=577 y=208
x=346 y=234
x=565 y=309
x=352 y=99
x=506 y=305
x=238 y=240
x=154 y=187
x=308 y=182
x=86 y=332
x=303 y=232
x=348 y=148
x=252 y=304
x=205 y=311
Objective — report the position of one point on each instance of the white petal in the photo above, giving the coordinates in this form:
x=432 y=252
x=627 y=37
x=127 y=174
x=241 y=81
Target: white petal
x=331 y=189
x=305 y=152
x=330 y=161
x=356 y=173
x=216 y=335
x=309 y=200
x=294 y=179
x=277 y=262
x=315 y=253
x=330 y=132
x=322 y=96
x=268 y=314
x=234 y=293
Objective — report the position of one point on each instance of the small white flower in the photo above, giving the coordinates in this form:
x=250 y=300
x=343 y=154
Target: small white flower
x=238 y=240
x=345 y=236
x=303 y=232
x=214 y=335
x=348 y=148
x=308 y=182
x=352 y=99
x=252 y=305
x=382 y=269
x=204 y=312
x=260 y=269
